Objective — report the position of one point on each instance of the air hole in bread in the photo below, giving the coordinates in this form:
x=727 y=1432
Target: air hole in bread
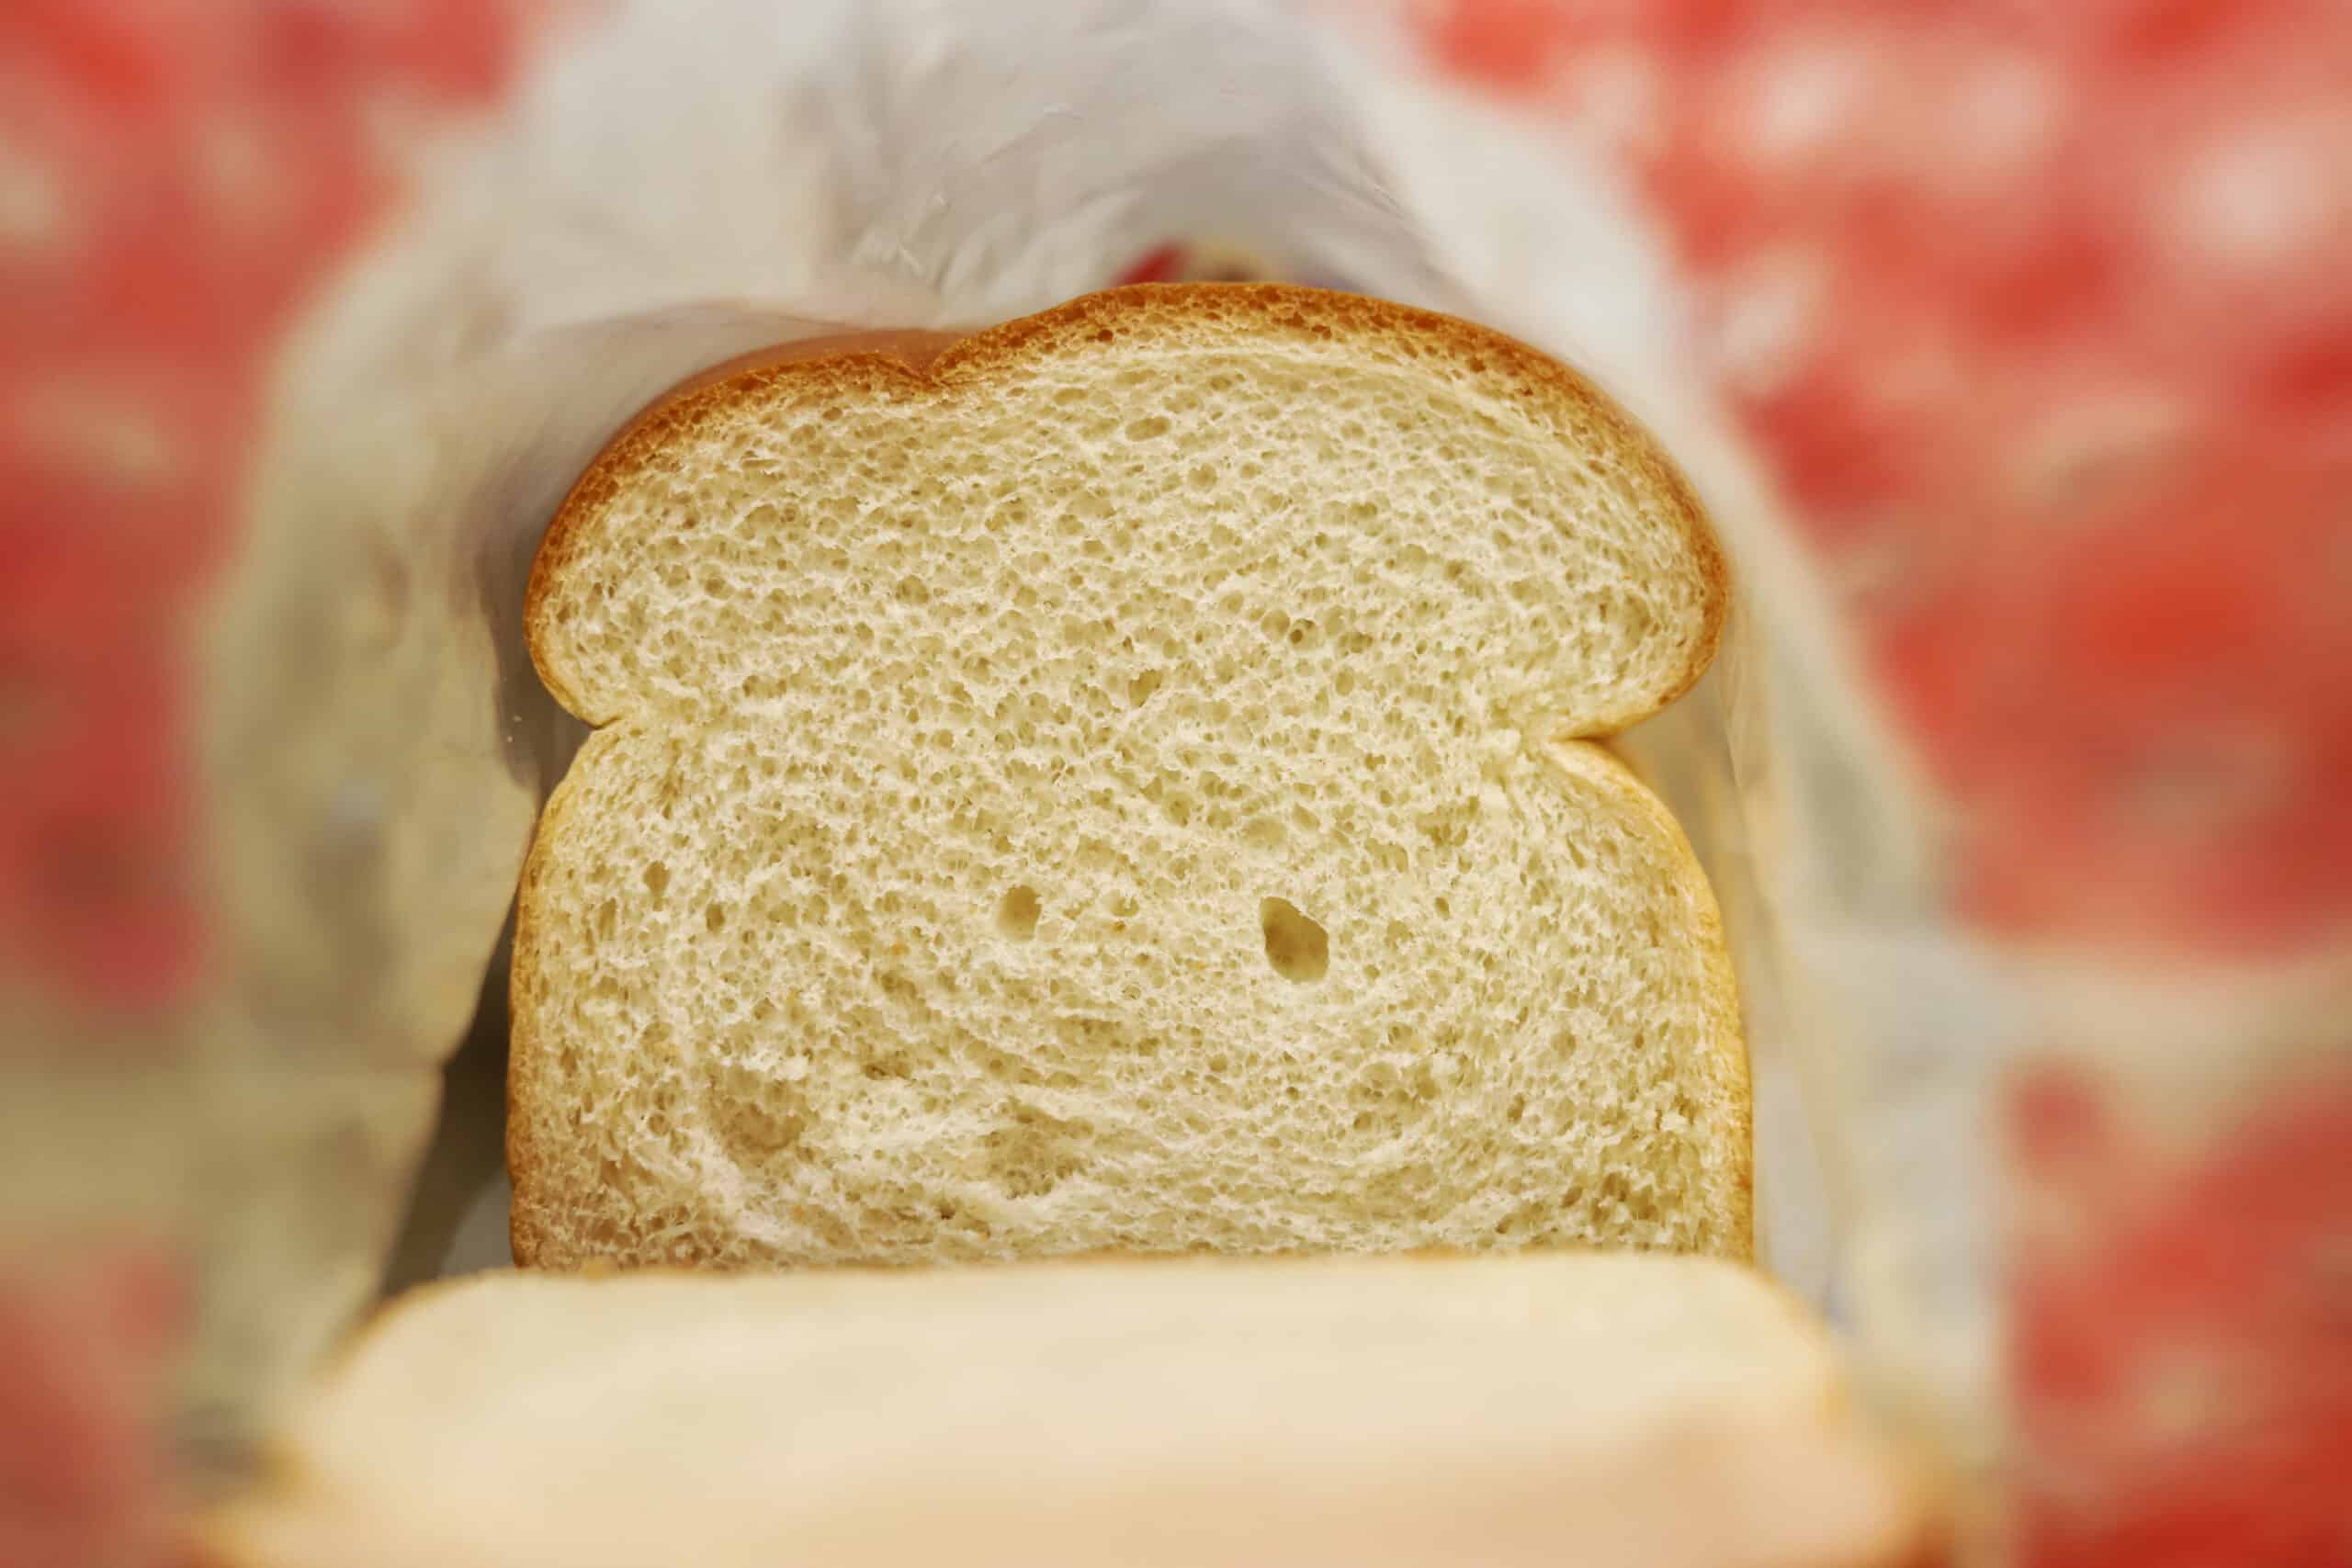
x=1016 y=916
x=1299 y=949
x=1151 y=425
x=657 y=879
x=1035 y=1153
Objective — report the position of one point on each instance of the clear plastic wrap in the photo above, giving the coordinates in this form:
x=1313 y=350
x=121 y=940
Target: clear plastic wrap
x=675 y=183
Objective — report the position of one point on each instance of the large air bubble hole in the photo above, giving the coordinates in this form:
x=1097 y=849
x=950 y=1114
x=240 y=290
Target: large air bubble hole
x=1299 y=949
x=1016 y=917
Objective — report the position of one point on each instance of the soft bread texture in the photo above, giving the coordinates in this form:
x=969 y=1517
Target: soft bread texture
x=1599 y=1409
x=1118 y=783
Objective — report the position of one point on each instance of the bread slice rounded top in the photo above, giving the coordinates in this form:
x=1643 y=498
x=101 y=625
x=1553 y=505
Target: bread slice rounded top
x=1518 y=391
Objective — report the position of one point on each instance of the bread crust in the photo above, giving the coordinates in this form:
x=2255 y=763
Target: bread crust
x=525 y=1168
x=920 y=363
x=1735 y=1114
x=919 y=366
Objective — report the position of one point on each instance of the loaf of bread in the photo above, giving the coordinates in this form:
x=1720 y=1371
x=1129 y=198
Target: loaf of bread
x=1125 y=782
x=1604 y=1410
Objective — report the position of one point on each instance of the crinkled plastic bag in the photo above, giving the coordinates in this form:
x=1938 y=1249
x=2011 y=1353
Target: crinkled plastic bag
x=380 y=739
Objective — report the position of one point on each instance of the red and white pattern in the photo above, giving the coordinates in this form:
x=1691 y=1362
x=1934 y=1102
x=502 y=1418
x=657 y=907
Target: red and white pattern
x=2040 y=316
x=86 y=1345
x=2181 y=1351
x=175 y=177
x=2037 y=311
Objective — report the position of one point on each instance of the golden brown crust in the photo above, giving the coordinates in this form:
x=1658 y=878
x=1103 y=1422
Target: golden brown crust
x=1736 y=1112
x=914 y=363
x=527 y=1235
x=866 y=365
x=522 y=1163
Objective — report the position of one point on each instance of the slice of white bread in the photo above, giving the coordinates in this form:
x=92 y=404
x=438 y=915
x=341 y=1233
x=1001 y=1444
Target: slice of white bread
x=1113 y=784
x=1597 y=1409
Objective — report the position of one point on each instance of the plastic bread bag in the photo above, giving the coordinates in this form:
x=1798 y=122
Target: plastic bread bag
x=664 y=185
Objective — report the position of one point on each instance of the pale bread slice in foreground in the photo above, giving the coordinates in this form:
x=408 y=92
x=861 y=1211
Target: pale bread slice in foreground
x=1117 y=784
x=1596 y=1409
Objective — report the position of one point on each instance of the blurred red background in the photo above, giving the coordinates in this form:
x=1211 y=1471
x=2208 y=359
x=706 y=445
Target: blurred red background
x=2037 y=312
